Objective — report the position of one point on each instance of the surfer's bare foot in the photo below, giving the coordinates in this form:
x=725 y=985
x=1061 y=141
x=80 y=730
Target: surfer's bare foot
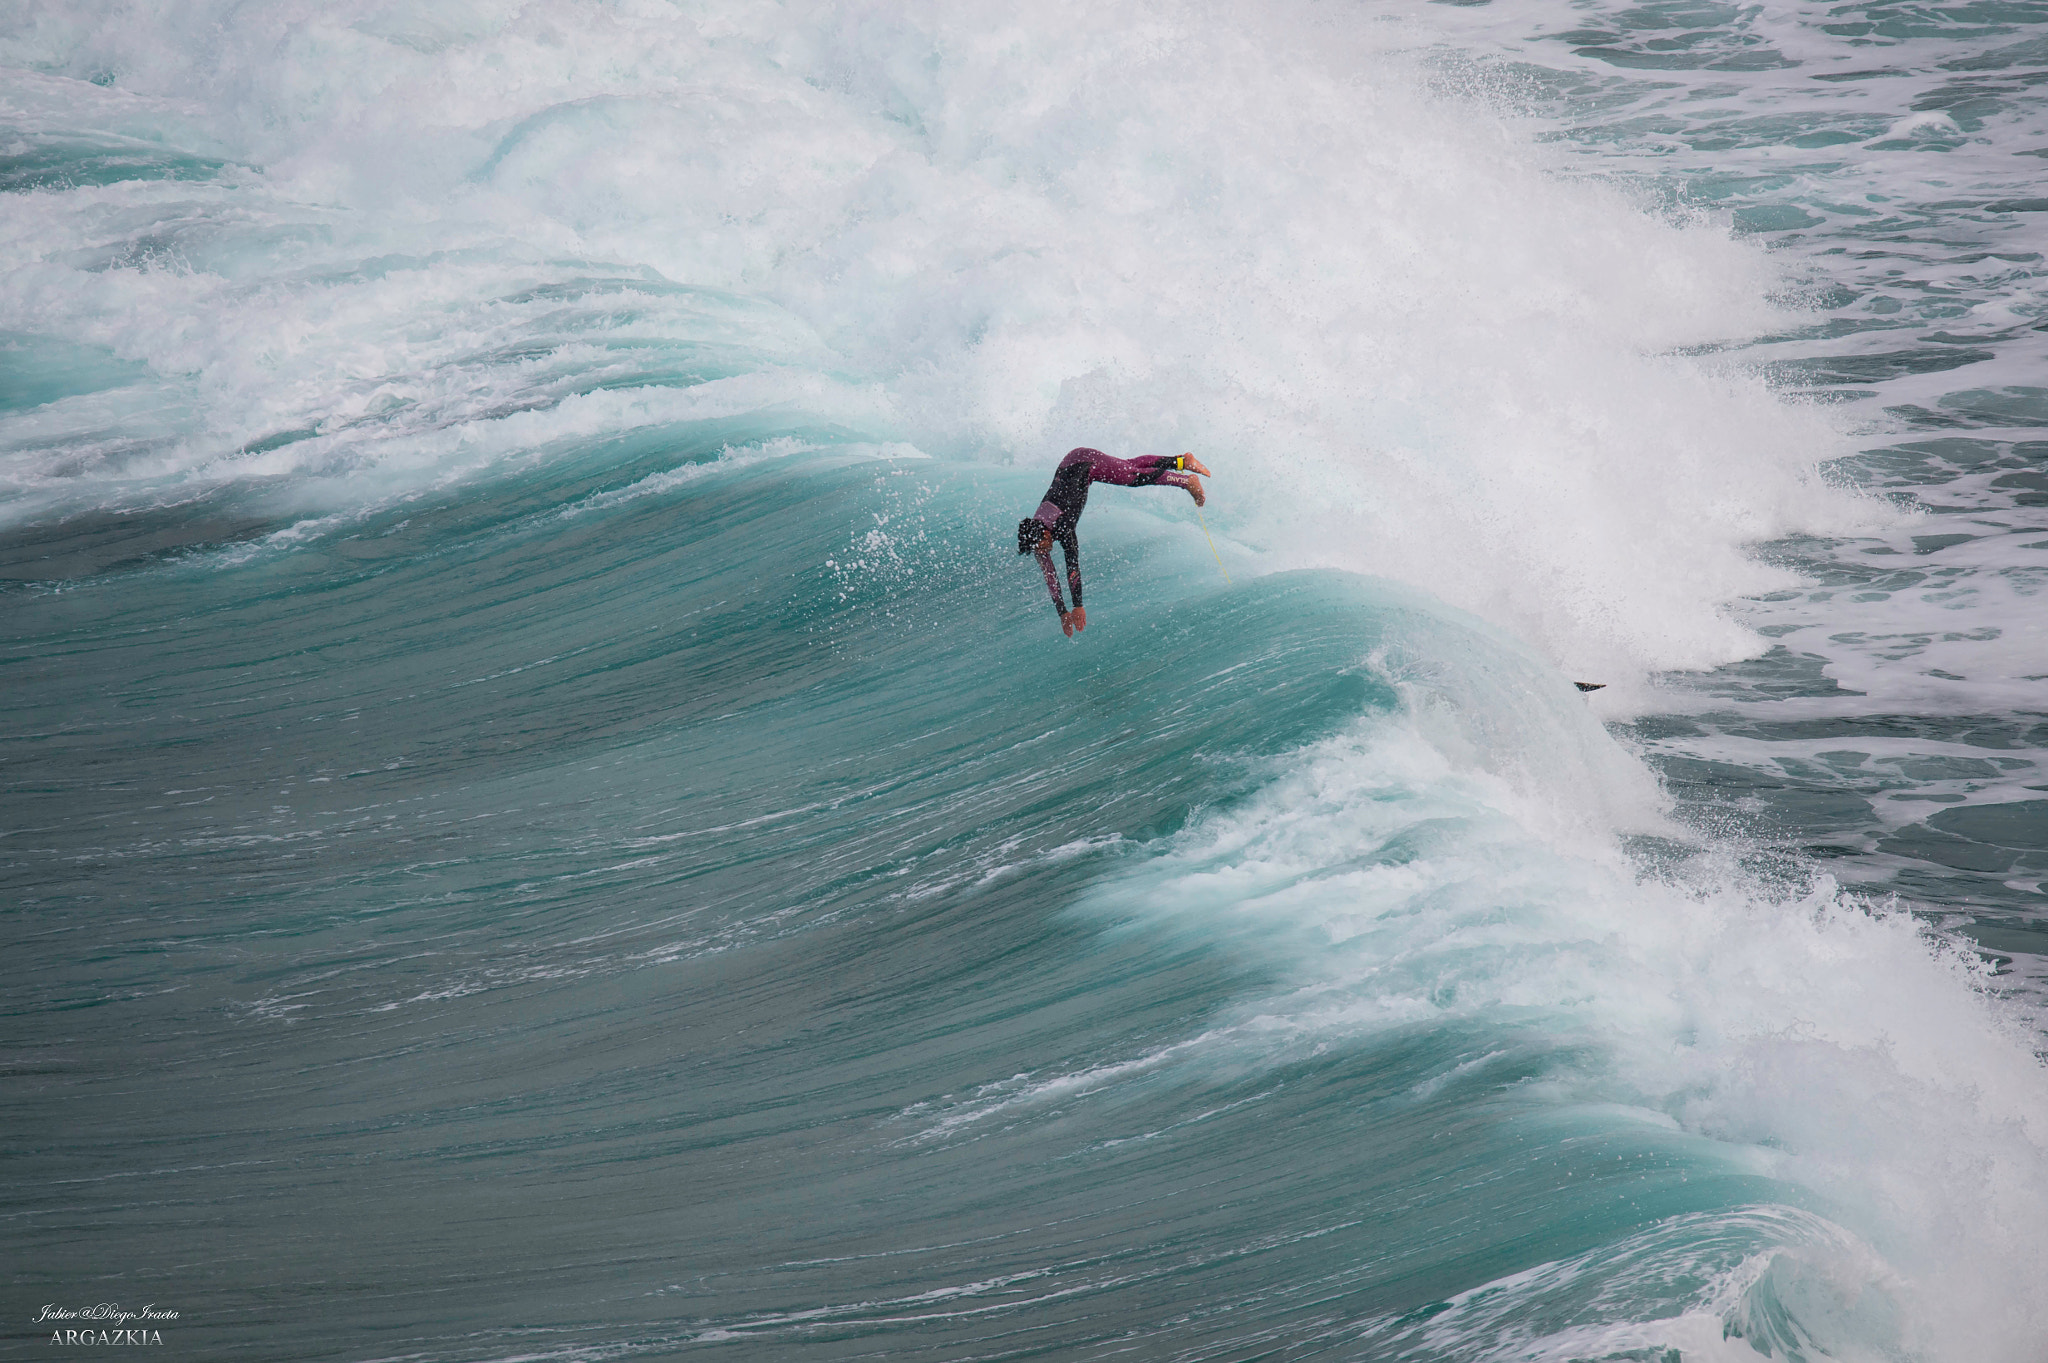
x=1195 y=491
x=1198 y=466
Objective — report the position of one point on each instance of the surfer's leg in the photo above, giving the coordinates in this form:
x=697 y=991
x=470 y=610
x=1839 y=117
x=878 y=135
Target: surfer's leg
x=1174 y=470
x=1173 y=475
x=1107 y=468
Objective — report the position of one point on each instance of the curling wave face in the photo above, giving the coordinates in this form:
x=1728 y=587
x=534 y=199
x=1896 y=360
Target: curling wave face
x=549 y=823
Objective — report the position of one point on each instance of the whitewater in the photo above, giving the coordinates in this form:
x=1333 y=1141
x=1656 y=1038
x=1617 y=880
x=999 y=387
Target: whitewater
x=545 y=820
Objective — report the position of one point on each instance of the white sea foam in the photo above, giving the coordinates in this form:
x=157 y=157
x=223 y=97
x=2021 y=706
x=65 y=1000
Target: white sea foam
x=1393 y=883
x=1892 y=165
x=1405 y=346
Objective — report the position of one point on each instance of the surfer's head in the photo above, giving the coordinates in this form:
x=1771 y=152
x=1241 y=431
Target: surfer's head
x=1029 y=532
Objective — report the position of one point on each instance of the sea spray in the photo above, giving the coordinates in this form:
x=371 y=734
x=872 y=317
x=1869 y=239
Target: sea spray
x=1355 y=295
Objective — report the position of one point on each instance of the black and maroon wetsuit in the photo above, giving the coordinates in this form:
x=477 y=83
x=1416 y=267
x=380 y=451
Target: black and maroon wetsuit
x=1068 y=497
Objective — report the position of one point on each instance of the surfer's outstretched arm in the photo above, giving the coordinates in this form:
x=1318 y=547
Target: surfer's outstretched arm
x=1052 y=581
x=1070 y=545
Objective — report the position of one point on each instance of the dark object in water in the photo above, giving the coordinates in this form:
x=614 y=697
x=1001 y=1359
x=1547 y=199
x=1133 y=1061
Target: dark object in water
x=1589 y=686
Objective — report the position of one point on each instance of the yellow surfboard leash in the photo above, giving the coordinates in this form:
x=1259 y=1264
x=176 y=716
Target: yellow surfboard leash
x=1212 y=540
x=1180 y=461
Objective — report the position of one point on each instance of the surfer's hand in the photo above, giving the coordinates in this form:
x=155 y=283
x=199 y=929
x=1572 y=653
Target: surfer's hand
x=1198 y=466
x=1079 y=617
x=1195 y=491
x=1067 y=622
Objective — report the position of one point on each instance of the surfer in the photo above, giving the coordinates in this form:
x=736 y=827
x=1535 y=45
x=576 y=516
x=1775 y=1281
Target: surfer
x=1068 y=497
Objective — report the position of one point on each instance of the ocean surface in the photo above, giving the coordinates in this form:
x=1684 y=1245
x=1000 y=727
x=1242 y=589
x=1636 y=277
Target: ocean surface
x=543 y=818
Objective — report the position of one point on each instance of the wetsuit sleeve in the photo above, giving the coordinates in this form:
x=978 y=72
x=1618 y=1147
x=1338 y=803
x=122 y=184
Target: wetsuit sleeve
x=1070 y=545
x=1052 y=582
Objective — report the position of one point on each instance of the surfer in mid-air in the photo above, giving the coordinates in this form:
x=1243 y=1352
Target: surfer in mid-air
x=1068 y=497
